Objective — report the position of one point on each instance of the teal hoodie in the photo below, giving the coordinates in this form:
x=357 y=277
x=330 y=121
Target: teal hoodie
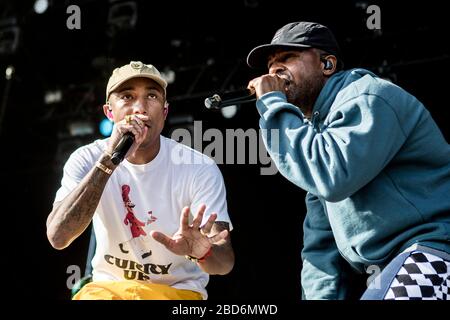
x=376 y=169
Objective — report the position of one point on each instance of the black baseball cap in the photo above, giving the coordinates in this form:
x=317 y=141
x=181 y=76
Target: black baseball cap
x=295 y=35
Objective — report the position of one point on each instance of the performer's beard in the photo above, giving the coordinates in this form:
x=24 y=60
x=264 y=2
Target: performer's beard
x=305 y=93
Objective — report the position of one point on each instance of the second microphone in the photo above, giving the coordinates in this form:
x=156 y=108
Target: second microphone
x=230 y=98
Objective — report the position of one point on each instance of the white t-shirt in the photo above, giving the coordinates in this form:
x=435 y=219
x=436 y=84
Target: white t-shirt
x=141 y=198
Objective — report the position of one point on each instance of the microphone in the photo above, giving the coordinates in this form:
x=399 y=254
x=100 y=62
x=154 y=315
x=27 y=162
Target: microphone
x=230 y=98
x=122 y=148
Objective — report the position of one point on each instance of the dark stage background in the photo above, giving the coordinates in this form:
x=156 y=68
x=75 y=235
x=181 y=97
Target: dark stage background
x=204 y=43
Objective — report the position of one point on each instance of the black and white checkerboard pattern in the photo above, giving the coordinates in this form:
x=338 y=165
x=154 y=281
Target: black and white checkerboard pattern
x=423 y=276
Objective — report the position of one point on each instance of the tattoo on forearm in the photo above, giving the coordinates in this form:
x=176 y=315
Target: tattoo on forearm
x=73 y=215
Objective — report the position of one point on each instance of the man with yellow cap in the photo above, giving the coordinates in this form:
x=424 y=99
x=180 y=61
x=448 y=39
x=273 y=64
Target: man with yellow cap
x=148 y=245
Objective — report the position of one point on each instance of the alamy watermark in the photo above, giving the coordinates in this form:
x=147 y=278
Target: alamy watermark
x=74 y=273
x=235 y=146
x=373 y=281
x=373 y=22
x=74 y=20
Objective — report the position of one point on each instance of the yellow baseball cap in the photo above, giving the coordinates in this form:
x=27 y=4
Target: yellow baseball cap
x=135 y=69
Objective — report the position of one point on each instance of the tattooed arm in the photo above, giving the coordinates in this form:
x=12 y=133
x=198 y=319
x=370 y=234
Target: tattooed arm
x=71 y=216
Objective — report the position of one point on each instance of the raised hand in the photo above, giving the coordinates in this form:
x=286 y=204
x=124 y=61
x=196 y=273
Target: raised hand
x=193 y=240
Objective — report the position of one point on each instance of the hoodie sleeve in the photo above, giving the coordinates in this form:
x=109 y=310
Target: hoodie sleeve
x=358 y=138
x=321 y=271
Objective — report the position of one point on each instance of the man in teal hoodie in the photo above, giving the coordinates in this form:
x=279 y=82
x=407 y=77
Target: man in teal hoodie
x=375 y=166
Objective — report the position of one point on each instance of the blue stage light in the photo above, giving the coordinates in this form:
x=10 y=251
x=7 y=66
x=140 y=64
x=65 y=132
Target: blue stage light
x=106 y=127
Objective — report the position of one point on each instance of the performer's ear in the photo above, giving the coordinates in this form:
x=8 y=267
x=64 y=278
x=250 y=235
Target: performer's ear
x=108 y=111
x=166 y=109
x=329 y=64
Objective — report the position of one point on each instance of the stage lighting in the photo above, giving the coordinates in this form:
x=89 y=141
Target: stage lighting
x=53 y=97
x=81 y=128
x=40 y=6
x=9 y=72
x=106 y=127
x=168 y=75
x=229 y=112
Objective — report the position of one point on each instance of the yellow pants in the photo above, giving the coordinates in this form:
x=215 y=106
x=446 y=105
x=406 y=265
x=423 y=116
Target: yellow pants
x=133 y=290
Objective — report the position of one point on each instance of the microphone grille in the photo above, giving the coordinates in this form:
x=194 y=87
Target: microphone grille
x=213 y=102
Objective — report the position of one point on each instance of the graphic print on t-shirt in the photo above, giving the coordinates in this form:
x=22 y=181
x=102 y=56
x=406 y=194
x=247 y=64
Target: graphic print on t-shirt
x=136 y=226
x=139 y=243
x=151 y=218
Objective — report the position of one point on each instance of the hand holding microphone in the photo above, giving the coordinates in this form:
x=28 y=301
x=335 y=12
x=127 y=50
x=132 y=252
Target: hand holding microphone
x=256 y=88
x=127 y=135
x=268 y=83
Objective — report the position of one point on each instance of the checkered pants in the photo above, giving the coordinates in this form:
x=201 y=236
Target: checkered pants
x=423 y=276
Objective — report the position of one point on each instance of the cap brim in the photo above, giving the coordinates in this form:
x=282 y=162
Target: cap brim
x=257 y=58
x=155 y=78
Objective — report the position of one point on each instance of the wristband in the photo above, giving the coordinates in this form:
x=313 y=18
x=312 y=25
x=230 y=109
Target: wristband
x=104 y=168
x=194 y=259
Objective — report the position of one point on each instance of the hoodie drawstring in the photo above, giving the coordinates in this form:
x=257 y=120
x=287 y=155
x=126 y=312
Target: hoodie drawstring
x=315 y=121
